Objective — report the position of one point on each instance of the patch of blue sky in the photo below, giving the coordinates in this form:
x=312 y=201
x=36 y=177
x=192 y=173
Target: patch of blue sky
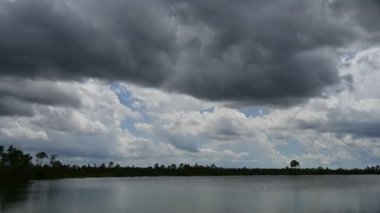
x=129 y=124
x=254 y=111
x=126 y=98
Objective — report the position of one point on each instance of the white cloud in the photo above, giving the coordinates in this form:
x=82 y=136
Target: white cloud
x=72 y=131
x=339 y=129
x=332 y=130
x=15 y=129
x=160 y=101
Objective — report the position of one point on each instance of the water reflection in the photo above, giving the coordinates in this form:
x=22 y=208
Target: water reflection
x=12 y=193
x=197 y=194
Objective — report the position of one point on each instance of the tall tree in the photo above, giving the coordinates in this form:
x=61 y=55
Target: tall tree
x=40 y=156
x=53 y=160
x=294 y=164
x=110 y=165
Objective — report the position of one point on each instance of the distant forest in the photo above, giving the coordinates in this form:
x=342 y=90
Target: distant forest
x=17 y=165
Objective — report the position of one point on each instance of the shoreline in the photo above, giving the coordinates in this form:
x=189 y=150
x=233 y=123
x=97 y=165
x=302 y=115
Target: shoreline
x=48 y=173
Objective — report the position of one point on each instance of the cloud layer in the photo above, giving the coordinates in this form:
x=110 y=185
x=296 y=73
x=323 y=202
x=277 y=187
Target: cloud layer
x=237 y=83
x=265 y=52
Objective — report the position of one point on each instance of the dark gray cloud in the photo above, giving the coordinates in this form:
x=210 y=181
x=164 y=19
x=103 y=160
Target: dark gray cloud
x=264 y=51
x=17 y=95
x=41 y=92
x=74 y=39
x=354 y=122
x=366 y=13
x=271 y=52
x=10 y=106
x=344 y=122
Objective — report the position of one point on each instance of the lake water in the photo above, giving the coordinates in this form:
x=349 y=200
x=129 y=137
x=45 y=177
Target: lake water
x=196 y=194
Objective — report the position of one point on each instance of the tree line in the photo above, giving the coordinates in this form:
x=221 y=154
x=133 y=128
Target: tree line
x=17 y=165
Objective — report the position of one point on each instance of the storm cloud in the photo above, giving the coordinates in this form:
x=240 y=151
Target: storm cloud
x=18 y=95
x=265 y=52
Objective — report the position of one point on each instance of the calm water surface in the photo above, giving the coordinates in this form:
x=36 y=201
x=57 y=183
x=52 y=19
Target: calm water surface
x=196 y=194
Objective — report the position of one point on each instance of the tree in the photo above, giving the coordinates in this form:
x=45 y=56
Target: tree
x=156 y=166
x=110 y=165
x=1 y=155
x=172 y=167
x=53 y=158
x=40 y=156
x=294 y=164
x=54 y=162
x=15 y=158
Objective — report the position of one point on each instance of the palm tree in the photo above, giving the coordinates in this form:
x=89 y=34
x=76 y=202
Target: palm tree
x=40 y=156
x=294 y=164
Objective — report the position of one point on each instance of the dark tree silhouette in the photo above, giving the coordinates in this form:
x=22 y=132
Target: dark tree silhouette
x=294 y=164
x=53 y=159
x=110 y=165
x=1 y=155
x=156 y=166
x=40 y=156
x=54 y=162
x=172 y=167
x=15 y=158
x=15 y=165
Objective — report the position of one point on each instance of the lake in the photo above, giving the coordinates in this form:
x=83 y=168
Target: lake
x=232 y=194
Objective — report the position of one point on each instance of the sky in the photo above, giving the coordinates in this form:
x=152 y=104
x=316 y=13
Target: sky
x=252 y=83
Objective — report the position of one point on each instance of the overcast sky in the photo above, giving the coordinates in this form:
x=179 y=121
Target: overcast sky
x=252 y=83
